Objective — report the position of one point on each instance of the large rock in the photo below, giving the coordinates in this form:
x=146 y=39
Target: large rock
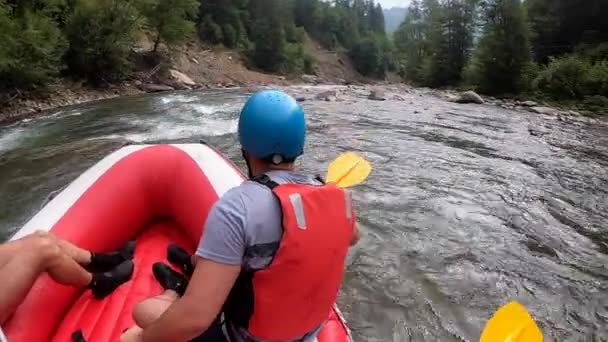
x=153 y=88
x=377 y=95
x=529 y=104
x=469 y=97
x=544 y=110
x=329 y=95
x=309 y=78
x=182 y=78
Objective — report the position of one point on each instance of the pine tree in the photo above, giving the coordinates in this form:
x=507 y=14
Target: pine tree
x=410 y=42
x=268 y=34
x=377 y=19
x=504 y=50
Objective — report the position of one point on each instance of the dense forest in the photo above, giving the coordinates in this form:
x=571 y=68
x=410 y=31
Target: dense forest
x=554 y=49
x=94 y=39
x=545 y=48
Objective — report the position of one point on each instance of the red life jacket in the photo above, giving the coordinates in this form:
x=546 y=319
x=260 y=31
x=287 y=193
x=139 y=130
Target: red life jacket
x=295 y=293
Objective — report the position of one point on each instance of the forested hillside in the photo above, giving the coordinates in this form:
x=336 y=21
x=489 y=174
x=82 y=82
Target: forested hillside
x=94 y=39
x=552 y=49
x=555 y=50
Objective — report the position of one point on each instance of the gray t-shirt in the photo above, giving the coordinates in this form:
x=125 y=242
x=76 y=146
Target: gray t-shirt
x=244 y=228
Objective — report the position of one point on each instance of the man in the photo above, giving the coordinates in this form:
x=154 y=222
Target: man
x=272 y=255
x=23 y=260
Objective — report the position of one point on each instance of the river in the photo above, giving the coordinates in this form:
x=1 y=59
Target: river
x=468 y=206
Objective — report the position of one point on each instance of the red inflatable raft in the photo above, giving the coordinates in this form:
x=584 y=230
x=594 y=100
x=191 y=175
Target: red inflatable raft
x=158 y=194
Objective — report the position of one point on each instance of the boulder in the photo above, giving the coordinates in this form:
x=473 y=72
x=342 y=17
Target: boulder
x=574 y=113
x=451 y=97
x=182 y=78
x=309 y=78
x=469 y=97
x=377 y=95
x=528 y=104
x=544 y=110
x=329 y=95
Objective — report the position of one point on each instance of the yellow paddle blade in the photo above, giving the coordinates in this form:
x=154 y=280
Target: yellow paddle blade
x=347 y=170
x=511 y=323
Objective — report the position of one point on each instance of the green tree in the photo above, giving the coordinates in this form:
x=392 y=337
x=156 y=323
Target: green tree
x=368 y=56
x=171 y=20
x=32 y=47
x=504 y=52
x=268 y=35
x=306 y=14
x=101 y=34
x=376 y=16
x=451 y=41
x=410 y=43
x=560 y=26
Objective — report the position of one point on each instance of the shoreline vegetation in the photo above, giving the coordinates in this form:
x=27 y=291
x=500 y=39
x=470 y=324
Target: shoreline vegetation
x=64 y=52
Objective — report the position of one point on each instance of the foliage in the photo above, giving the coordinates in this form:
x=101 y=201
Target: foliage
x=435 y=39
x=32 y=46
x=554 y=49
x=273 y=31
x=561 y=26
x=572 y=77
x=101 y=34
x=169 y=19
x=503 y=53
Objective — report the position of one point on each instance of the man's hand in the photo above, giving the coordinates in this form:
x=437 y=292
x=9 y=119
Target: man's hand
x=192 y=314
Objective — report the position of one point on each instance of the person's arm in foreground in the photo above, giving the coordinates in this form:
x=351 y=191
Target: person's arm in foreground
x=218 y=263
x=192 y=314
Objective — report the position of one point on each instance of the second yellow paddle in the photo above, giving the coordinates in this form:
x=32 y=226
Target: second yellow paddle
x=511 y=323
x=348 y=169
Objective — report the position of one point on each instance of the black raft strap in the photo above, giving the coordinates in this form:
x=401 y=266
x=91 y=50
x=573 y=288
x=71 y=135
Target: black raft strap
x=266 y=181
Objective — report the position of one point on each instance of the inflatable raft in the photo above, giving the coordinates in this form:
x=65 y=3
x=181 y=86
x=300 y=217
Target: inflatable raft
x=157 y=194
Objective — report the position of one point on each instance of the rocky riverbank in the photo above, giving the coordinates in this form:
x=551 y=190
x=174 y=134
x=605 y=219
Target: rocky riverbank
x=531 y=106
x=193 y=66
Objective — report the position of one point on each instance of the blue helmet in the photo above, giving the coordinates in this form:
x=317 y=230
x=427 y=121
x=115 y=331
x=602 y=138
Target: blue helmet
x=272 y=126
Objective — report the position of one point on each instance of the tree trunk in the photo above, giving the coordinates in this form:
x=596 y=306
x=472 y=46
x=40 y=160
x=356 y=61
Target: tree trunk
x=156 y=43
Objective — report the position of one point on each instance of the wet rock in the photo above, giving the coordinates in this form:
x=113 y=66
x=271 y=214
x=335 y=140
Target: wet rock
x=544 y=110
x=309 y=78
x=469 y=97
x=182 y=78
x=452 y=97
x=528 y=104
x=153 y=88
x=377 y=95
x=535 y=133
x=329 y=96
